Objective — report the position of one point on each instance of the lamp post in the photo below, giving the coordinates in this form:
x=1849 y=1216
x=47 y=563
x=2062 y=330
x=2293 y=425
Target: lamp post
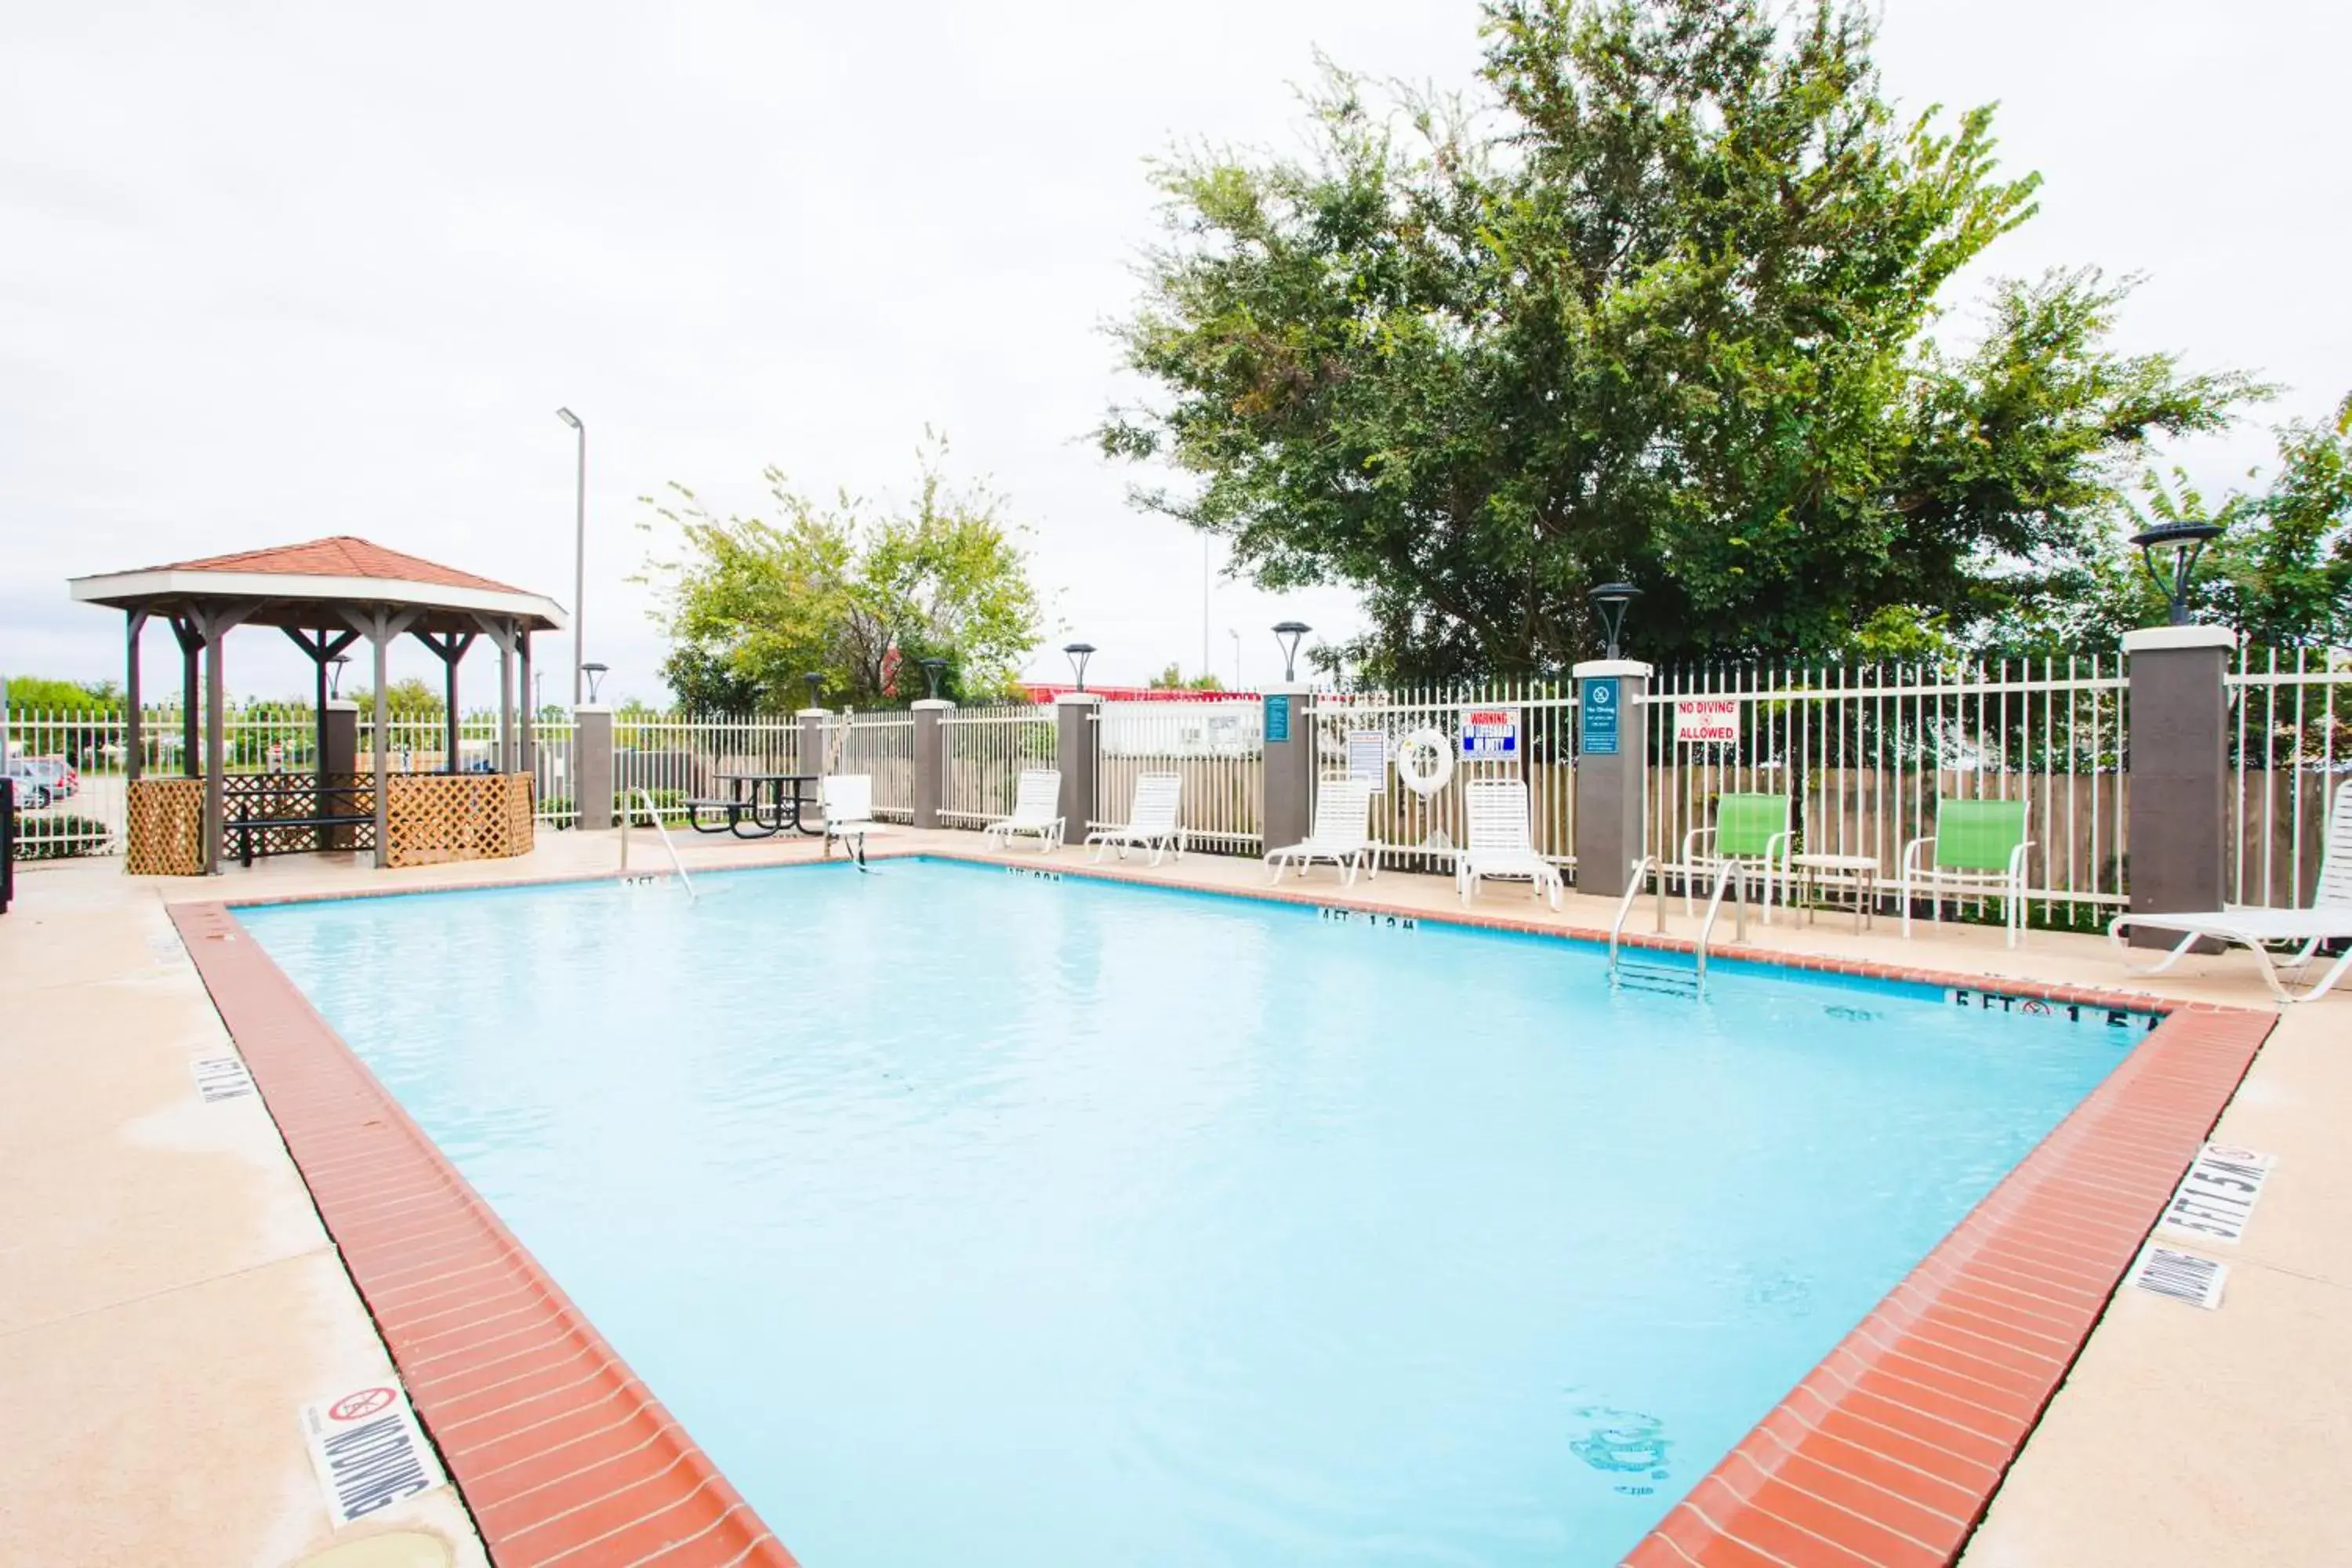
x=1285 y=636
x=815 y=680
x=1234 y=633
x=335 y=675
x=595 y=672
x=932 y=669
x=1079 y=653
x=2186 y=541
x=1610 y=600
x=579 y=554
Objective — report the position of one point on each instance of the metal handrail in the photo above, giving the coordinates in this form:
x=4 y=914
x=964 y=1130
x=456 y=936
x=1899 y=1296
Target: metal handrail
x=629 y=802
x=1733 y=873
x=1647 y=865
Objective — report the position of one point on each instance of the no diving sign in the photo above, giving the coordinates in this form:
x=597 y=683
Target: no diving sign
x=367 y=1451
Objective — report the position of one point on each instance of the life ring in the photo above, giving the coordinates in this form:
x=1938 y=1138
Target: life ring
x=1425 y=761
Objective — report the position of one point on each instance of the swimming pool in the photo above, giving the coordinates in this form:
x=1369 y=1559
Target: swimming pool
x=962 y=1215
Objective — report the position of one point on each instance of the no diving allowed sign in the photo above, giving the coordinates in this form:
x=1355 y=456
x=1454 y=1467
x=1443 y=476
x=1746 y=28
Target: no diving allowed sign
x=367 y=1451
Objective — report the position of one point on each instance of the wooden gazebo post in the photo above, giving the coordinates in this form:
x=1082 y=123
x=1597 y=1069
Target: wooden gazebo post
x=133 y=737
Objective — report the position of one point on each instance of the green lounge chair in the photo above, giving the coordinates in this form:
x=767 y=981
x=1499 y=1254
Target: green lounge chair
x=1750 y=830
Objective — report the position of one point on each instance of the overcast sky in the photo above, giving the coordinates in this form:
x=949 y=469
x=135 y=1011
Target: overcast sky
x=270 y=272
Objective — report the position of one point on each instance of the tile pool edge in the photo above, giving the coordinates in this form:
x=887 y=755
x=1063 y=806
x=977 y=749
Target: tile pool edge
x=561 y=1454
x=1887 y=1452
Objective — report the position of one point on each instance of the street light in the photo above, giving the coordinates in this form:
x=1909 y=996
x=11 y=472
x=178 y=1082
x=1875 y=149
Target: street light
x=335 y=675
x=1079 y=653
x=932 y=669
x=1285 y=636
x=595 y=672
x=815 y=680
x=1610 y=599
x=2186 y=541
x=579 y=554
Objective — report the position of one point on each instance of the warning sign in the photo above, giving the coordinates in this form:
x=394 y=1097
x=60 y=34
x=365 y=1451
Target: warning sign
x=1707 y=723
x=368 y=1450
x=1490 y=735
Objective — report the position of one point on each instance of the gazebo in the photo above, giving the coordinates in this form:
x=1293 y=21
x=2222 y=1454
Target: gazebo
x=325 y=595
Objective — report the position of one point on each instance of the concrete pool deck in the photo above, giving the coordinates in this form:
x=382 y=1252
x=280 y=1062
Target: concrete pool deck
x=168 y=1297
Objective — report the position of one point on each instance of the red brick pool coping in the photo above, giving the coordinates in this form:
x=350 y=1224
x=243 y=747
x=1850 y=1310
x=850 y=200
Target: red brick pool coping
x=1886 y=1455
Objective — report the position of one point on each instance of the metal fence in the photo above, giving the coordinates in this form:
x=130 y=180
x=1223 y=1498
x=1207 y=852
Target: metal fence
x=1419 y=831
x=881 y=745
x=2290 y=750
x=676 y=758
x=1217 y=748
x=984 y=750
x=1864 y=753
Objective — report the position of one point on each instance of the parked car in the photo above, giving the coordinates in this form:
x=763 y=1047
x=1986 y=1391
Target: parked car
x=60 y=775
x=32 y=787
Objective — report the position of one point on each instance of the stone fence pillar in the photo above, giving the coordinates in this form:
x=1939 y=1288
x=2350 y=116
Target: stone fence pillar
x=592 y=765
x=1289 y=732
x=1073 y=754
x=2177 y=752
x=811 y=743
x=931 y=760
x=339 y=761
x=1611 y=757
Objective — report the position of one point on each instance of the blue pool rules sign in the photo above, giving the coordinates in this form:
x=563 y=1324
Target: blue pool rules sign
x=1277 y=717
x=1597 y=716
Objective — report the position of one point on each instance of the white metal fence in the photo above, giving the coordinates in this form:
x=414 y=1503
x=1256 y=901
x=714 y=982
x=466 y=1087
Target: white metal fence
x=1864 y=753
x=1419 y=832
x=984 y=750
x=881 y=745
x=1217 y=748
x=676 y=758
x=2290 y=750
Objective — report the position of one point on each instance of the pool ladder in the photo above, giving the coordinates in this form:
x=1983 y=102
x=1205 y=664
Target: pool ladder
x=1670 y=979
x=629 y=804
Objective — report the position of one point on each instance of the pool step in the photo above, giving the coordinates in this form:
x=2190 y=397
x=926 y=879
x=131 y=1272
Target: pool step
x=1664 y=979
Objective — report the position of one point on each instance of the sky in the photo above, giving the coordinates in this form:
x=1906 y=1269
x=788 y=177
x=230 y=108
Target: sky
x=270 y=272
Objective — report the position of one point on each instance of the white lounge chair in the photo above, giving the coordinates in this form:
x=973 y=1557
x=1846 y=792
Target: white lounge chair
x=1036 y=808
x=1151 y=825
x=1338 y=834
x=1501 y=842
x=2329 y=919
x=848 y=802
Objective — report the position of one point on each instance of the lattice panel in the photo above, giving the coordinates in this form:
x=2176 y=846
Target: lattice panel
x=432 y=818
x=164 y=828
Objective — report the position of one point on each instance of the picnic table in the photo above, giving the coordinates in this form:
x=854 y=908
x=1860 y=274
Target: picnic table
x=756 y=806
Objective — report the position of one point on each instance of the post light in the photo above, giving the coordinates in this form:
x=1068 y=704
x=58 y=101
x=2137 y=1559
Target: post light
x=595 y=672
x=1079 y=653
x=1609 y=600
x=2186 y=541
x=932 y=669
x=815 y=680
x=1285 y=636
x=335 y=675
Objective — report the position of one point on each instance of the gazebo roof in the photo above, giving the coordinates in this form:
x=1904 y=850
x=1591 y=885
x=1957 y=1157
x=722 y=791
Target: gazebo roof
x=299 y=586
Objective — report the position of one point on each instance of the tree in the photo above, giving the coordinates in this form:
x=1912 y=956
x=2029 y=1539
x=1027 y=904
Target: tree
x=412 y=698
x=1657 y=304
x=2280 y=574
x=855 y=595
x=1173 y=678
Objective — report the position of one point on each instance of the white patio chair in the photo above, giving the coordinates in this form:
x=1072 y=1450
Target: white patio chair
x=1501 y=841
x=1338 y=834
x=1036 y=808
x=2329 y=919
x=848 y=802
x=1151 y=823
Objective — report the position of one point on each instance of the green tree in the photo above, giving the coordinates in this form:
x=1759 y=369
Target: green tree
x=412 y=698
x=1657 y=302
x=32 y=694
x=1173 y=679
x=855 y=595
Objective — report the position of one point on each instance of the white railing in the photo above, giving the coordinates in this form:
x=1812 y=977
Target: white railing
x=676 y=758
x=1419 y=832
x=635 y=800
x=1864 y=753
x=984 y=750
x=882 y=746
x=1219 y=749
x=2291 y=749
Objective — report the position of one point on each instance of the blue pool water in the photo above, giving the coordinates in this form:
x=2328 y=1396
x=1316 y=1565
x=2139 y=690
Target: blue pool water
x=968 y=1218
